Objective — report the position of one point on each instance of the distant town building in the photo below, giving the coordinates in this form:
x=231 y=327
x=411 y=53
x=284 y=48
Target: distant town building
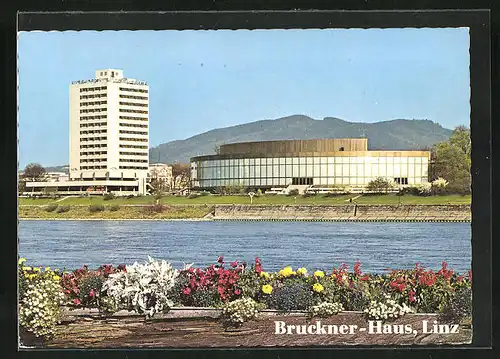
x=306 y=164
x=161 y=172
x=109 y=135
x=57 y=176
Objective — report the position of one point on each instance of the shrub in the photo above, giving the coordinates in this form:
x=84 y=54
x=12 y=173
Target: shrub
x=155 y=208
x=194 y=195
x=325 y=309
x=144 y=288
x=459 y=306
x=223 y=280
x=89 y=289
x=309 y=194
x=130 y=196
x=293 y=192
x=293 y=296
x=114 y=208
x=63 y=209
x=51 y=207
x=83 y=287
x=94 y=208
x=206 y=297
x=204 y=193
x=108 y=196
x=40 y=299
x=379 y=185
x=235 y=313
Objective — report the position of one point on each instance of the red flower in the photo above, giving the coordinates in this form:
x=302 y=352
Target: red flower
x=220 y=259
x=91 y=293
x=237 y=292
x=77 y=301
x=365 y=277
x=412 y=296
x=234 y=264
x=67 y=291
x=186 y=291
x=357 y=271
x=258 y=268
x=257 y=260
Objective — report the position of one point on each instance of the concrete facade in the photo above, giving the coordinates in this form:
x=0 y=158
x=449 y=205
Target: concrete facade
x=108 y=134
x=318 y=163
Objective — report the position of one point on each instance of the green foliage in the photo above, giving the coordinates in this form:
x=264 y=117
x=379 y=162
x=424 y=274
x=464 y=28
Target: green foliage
x=452 y=161
x=206 y=297
x=379 y=185
x=63 y=209
x=89 y=288
x=194 y=195
x=155 y=208
x=292 y=296
x=459 y=306
x=94 y=208
x=108 y=196
x=51 y=207
x=34 y=172
x=114 y=208
x=293 y=192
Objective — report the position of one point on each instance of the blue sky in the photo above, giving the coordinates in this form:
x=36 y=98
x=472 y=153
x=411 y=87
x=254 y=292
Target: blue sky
x=202 y=80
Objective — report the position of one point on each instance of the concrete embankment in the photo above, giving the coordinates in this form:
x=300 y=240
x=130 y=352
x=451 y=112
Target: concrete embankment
x=348 y=212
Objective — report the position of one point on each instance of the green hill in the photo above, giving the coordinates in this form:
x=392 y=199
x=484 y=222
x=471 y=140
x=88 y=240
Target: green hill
x=399 y=134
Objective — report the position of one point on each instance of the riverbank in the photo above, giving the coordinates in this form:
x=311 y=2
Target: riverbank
x=114 y=212
x=349 y=212
x=386 y=199
x=345 y=212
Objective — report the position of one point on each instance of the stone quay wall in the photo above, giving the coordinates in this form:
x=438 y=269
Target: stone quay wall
x=348 y=212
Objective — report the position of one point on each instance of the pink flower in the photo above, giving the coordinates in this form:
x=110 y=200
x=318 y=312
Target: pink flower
x=220 y=259
x=234 y=264
x=237 y=292
x=77 y=301
x=186 y=291
x=257 y=260
x=91 y=293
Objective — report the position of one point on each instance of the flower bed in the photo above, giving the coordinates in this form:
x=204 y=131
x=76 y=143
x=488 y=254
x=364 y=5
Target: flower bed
x=240 y=291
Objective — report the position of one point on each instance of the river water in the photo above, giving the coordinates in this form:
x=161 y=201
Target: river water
x=314 y=245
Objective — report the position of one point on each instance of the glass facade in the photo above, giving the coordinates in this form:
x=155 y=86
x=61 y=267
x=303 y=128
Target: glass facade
x=283 y=171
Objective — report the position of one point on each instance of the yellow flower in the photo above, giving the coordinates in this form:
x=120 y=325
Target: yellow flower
x=318 y=288
x=21 y=261
x=319 y=274
x=287 y=272
x=302 y=271
x=56 y=277
x=26 y=268
x=264 y=274
x=36 y=269
x=267 y=289
x=47 y=269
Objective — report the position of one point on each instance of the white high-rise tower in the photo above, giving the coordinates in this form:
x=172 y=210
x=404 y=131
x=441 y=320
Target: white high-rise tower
x=109 y=131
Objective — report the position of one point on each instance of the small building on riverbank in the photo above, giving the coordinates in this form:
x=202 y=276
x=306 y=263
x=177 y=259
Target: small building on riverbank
x=303 y=164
